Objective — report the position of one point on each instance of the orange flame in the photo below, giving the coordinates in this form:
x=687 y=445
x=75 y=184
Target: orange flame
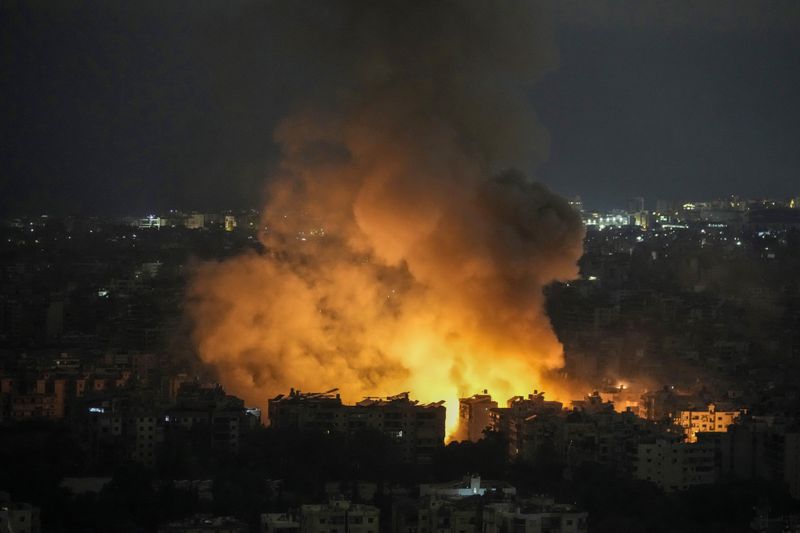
x=396 y=256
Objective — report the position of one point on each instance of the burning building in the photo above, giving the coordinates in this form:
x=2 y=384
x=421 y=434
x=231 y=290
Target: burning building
x=404 y=245
x=475 y=416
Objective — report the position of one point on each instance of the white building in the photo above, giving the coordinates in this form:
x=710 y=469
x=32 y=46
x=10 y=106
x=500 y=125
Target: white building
x=469 y=486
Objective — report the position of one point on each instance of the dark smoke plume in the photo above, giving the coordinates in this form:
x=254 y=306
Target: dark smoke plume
x=403 y=254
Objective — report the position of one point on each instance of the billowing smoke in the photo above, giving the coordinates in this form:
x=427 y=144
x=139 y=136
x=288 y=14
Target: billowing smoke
x=401 y=254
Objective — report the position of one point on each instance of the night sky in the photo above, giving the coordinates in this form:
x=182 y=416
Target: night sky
x=127 y=108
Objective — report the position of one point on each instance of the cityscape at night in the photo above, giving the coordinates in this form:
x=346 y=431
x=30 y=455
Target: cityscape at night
x=449 y=266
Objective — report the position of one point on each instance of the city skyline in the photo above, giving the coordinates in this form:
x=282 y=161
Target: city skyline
x=399 y=266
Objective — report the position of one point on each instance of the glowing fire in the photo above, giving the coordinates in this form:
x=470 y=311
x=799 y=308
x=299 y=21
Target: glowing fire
x=397 y=257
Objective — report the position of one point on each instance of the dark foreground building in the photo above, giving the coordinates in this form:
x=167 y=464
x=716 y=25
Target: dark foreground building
x=417 y=429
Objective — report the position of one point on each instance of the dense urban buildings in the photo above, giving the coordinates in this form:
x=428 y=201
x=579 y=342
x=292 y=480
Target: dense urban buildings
x=680 y=336
x=416 y=430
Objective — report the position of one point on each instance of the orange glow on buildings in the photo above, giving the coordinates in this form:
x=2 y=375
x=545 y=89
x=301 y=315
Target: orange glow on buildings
x=399 y=252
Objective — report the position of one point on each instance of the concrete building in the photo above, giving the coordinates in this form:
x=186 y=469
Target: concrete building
x=662 y=403
x=279 y=523
x=223 y=415
x=416 y=429
x=513 y=420
x=28 y=406
x=18 y=517
x=205 y=524
x=339 y=516
x=468 y=486
x=742 y=451
x=146 y=435
x=462 y=507
x=474 y=416
x=195 y=221
x=674 y=466
x=438 y=515
x=535 y=515
x=713 y=418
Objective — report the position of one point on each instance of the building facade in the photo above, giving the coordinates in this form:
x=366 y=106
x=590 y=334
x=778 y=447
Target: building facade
x=417 y=430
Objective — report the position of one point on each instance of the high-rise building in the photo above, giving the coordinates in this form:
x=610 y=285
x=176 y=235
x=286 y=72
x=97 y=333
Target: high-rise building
x=635 y=205
x=511 y=420
x=475 y=415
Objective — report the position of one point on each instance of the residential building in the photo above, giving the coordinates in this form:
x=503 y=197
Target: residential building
x=468 y=486
x=205 y=524
x=534 y=515
x=674 y=466
x=713 y=418
x=339 y=516
x=18 y=517
x=279 y=523
x=474 y=416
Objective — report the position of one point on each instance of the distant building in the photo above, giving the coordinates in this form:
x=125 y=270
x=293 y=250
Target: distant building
x=230 y=222
x=145 y=436
x=515 y=419
x=462 y=507
x=468 y=486
x=224 y=416
x=29 y=406
x=636 y=204
x=279 y=523
x=445 y=515
x=791 y=463
x=18 y=517
x=206 y=524
x=196 y=221
x=474 y=416
x=339 y=516
x=149 y=222
x=713 y=418
x=592 y=403
x=605 y=220
x=535 y=515
x=416 y=429
x=774 y=218
x=78 y=486
x=662 y=404
x=577 y=204
x=674 y=466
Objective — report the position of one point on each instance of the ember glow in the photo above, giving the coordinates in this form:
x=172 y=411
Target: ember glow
x=401 y=256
